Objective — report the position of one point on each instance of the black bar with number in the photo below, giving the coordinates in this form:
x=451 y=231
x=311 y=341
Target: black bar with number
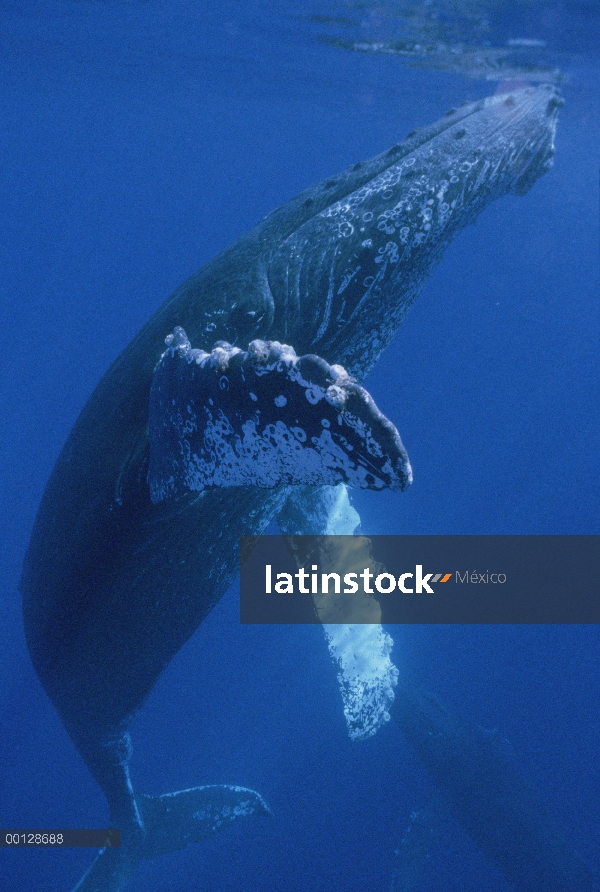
x=95 y=839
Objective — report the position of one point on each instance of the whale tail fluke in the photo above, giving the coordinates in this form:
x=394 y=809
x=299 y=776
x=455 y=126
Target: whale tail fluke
x=110 y=872
x=172 y=821
x=176 y=820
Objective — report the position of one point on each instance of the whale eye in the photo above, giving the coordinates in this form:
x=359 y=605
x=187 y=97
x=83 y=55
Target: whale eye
x=555 y=103
x=244 y=321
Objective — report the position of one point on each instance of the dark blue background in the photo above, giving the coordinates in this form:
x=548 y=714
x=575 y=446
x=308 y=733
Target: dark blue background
x=139 y=138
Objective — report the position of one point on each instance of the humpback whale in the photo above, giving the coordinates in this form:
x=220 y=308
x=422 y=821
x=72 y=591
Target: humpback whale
x=114 y=583
x=480 y=784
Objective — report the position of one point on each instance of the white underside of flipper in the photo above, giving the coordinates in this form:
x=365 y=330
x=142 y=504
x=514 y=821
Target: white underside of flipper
x=360 y=652
x=366 y=675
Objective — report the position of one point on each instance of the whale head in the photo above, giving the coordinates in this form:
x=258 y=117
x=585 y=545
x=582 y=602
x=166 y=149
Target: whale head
x=335 y=270
x=527 y=118
x=345 y=275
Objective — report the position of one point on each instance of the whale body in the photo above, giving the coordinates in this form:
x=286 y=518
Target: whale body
x=481 y=786
x=114 y=584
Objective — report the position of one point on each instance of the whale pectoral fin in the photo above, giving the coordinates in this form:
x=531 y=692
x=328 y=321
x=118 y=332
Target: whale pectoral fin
x=264 y=417
x=172 y=822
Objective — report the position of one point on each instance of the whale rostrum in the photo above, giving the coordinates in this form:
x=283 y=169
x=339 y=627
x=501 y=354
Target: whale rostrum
x=264 y=417
x=114 y=583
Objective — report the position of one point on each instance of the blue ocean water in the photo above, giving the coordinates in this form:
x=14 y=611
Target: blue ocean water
x=140 y=138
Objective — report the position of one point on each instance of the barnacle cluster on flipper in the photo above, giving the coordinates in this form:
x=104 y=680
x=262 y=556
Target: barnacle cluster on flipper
x=264 y=417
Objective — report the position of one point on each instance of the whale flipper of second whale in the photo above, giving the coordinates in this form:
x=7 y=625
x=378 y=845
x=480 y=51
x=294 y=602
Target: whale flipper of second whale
x=264 y=418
